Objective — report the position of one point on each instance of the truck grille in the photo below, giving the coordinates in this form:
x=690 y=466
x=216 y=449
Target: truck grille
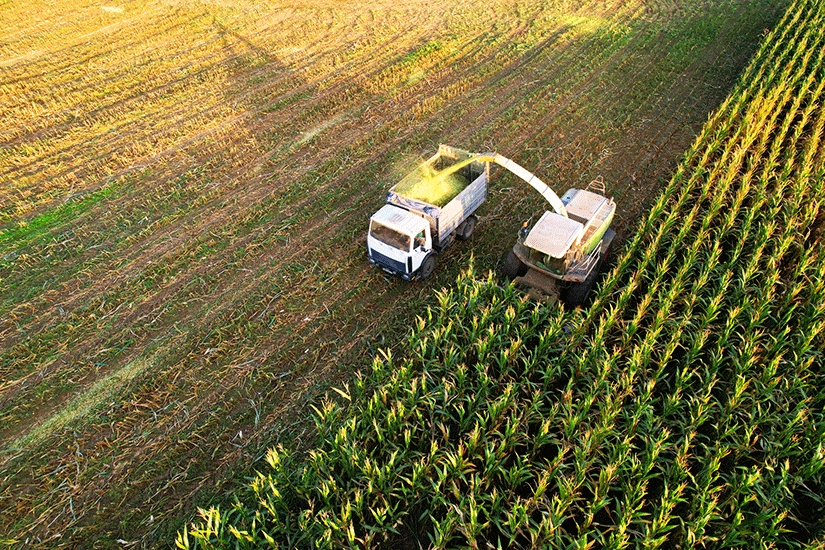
x=388 y=263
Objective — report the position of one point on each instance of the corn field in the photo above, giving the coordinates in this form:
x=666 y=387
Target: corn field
x=184 y=190
x=683 y=408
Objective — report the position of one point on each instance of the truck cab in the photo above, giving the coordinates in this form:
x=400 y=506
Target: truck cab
x=400 y=242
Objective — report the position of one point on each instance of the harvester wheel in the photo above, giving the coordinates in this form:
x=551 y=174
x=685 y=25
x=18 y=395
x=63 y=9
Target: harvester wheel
x=577 y=292
x=513 y=266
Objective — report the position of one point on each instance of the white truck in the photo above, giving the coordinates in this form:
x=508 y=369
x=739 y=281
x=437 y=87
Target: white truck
x=407 y=233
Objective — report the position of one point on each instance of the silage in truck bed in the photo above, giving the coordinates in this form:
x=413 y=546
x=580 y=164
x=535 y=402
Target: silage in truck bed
x=427 y=185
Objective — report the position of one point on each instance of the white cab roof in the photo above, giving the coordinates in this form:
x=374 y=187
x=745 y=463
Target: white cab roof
x=401 y=220
x=582 y=204
x=554 y=234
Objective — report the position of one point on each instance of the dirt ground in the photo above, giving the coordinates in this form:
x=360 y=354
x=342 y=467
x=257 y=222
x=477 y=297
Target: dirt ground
x=184 y=195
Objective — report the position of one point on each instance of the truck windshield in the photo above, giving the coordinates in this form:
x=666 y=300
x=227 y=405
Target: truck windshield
x=390 y=236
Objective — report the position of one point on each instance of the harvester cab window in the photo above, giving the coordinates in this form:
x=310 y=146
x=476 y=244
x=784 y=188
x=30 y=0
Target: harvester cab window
x=390 y=236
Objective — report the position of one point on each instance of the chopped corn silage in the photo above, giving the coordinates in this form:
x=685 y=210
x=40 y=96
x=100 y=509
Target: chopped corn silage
x=432 y=187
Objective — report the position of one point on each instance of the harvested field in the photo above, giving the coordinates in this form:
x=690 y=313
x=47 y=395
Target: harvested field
x=184 y=191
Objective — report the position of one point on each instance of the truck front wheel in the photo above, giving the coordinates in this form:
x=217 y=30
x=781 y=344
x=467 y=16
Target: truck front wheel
x=427 y=267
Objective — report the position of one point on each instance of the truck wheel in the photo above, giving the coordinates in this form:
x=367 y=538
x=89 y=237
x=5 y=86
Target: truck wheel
x=513 y=267
x=466 y=229
x=427 y=267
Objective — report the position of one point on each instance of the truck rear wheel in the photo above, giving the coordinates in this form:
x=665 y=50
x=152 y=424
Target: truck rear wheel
x=427 y=267
x=466 y=228
x=513 y=267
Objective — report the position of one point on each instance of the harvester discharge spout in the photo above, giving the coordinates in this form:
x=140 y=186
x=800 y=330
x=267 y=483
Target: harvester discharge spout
x=527 y=176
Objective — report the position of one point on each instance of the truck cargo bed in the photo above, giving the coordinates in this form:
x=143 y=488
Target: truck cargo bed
x=445 y=219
